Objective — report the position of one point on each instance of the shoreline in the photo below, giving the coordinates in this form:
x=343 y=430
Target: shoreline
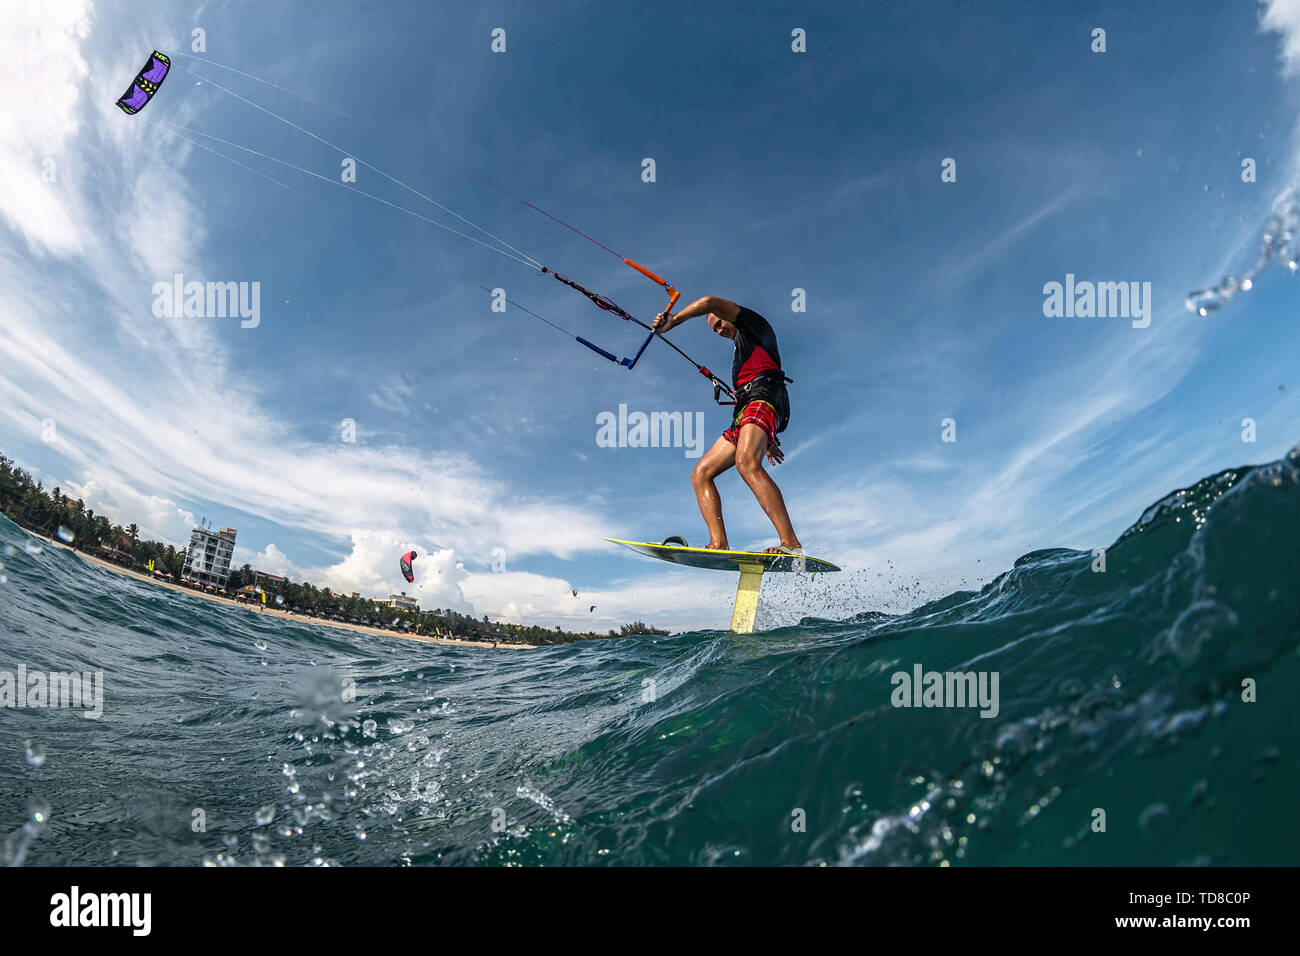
x=255 y=609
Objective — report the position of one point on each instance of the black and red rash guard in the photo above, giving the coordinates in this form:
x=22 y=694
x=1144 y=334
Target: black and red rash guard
x=756 y=369
x=756 y=350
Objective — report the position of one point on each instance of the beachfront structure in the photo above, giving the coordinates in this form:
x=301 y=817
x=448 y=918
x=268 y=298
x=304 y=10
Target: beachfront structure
x=207 y=560
x=275 y=580
x=403 y=602
x=400 y=601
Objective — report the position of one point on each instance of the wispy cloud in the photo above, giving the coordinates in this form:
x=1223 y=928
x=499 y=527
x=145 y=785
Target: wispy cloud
x=394 y=395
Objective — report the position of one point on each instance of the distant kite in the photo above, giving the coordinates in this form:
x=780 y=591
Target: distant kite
x=406 y=566
x=592 y=608
x=146 y=84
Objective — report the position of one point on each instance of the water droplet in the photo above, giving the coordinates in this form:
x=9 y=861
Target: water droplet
x=32 y=548
x=35 y=753
x=1205 y=301
x=1156 y=820
x=65 y=534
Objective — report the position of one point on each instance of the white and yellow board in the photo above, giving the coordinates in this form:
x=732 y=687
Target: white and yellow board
x=751 y=564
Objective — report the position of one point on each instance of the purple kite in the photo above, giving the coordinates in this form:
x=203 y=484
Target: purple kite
x=146 y=84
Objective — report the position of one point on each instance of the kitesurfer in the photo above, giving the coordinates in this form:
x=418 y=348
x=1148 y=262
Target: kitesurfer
x=762 y=411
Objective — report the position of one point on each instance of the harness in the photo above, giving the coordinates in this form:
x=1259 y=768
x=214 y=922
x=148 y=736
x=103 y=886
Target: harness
x=769 y=387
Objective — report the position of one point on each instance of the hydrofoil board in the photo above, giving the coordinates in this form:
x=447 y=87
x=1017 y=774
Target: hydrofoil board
x=751 y=564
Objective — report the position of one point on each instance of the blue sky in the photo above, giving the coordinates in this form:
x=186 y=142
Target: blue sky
x=476 y=431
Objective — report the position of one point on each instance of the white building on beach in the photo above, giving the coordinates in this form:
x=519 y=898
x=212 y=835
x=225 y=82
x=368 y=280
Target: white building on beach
x=207 y=560
x=400 y=601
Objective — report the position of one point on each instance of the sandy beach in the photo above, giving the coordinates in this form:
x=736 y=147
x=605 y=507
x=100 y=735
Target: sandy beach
x=254 y=609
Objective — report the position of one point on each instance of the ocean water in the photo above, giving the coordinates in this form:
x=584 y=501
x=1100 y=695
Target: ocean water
x=1157 y=698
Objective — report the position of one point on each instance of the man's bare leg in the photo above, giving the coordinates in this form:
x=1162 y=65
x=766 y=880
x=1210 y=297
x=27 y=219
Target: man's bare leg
x=749 y=453
x=715 y=461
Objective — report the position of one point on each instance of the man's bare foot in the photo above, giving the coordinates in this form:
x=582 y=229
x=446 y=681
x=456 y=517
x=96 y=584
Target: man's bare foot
x=715 y=546
x=796 y=548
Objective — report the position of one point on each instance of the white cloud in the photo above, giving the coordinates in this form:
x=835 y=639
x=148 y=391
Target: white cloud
x=270 y=559
x=675 y=599
x=159 y=518
x=1283 y=17
x=38 y=119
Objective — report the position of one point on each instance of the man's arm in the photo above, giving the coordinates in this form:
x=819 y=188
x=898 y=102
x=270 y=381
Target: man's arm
x=722 y=308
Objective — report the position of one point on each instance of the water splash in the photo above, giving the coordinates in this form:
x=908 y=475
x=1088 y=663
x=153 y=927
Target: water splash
x=529 y=792
x=1280 y=243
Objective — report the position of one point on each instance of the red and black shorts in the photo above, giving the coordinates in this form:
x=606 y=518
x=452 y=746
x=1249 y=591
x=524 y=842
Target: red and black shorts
x=757 y=412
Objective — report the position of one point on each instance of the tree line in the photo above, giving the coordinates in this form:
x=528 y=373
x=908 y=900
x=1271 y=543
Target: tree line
x=53 y=514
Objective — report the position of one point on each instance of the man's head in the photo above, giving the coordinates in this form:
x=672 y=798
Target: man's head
x=721 y=326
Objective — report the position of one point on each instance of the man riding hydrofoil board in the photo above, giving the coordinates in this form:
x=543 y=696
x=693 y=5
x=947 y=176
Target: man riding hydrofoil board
x=762 y=412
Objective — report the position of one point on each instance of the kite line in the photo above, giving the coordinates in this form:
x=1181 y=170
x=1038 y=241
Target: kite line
x=150 y=78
